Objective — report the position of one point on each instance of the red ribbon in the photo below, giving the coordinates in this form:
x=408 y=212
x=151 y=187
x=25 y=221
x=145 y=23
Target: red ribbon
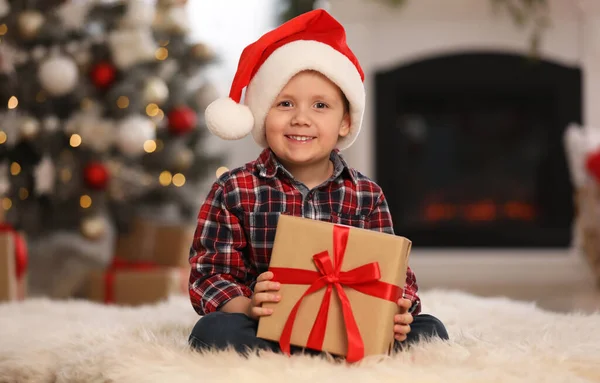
x=20 y=249
x=119 y=264
x=363 y=278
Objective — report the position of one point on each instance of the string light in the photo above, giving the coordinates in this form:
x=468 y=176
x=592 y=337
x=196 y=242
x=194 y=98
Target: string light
x=3 y=137
x=75 y=140
x=15 y=168
x=13 y=102
x=165 y=178
x=123 y=102
x=85 y=201
x=221 y=170
x=178 y=180
x=6 y=203
x=149 y=146
x=160 y=115
x=3 y=29
x=152 y=110
x=23 y=193
x=161 y=53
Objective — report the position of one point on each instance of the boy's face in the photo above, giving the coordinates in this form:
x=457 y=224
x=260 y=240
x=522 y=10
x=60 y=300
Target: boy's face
x=306 y=119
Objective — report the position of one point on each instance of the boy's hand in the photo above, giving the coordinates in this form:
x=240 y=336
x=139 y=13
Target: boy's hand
x=264 y=291
x=403 y=320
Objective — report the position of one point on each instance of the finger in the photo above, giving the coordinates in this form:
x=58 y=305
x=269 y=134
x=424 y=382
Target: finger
x=401 y=329
x=404 y=305
x=403 y=318
x=265 y=276
x=266 y=286
x=261 y=311
x=400 y=337
x=261 y=298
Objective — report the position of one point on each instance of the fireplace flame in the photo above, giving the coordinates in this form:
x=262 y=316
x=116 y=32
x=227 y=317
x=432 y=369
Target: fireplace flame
x=480 y=211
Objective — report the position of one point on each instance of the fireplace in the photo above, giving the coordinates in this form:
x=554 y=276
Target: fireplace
x=469 y=149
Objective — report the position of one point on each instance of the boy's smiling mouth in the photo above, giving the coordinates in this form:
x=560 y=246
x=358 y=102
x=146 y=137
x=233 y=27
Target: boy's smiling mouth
x=297 y=138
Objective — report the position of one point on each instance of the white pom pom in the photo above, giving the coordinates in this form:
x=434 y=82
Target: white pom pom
x=229 y=120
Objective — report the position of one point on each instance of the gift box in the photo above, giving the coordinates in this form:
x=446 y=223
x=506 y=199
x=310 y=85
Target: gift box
x=13 y=264
x=167 y=244
x=339 y=288
x=587 y=224
x=137 y=283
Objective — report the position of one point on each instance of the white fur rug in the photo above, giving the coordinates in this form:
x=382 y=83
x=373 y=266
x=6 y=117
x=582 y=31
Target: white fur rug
x=493 y=340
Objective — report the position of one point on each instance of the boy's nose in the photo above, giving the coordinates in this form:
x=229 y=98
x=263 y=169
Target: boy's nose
x=300 y=117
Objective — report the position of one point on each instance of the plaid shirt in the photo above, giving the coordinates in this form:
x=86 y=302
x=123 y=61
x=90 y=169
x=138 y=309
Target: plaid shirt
x=236 y=224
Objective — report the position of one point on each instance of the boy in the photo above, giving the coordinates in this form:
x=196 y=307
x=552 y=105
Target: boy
x=304 y=103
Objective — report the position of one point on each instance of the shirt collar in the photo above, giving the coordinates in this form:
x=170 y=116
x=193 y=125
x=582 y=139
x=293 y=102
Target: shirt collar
x=267 y=165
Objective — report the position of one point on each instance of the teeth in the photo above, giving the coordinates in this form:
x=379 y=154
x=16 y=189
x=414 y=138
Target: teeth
x=300 y=138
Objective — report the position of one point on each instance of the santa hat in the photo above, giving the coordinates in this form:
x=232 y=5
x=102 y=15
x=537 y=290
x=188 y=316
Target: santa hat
x=311 y=41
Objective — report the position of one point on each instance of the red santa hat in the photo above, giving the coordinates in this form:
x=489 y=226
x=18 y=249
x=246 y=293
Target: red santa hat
x=311 y=41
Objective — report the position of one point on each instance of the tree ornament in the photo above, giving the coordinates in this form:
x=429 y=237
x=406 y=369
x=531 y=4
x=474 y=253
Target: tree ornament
x=129 y=47
x=45 y=176
x=592 y=164
x=156 y=91
x=73 y=14
x=172 y=18
x=138 y=14
x=103 y=74
x=96 y=175
x=182 y=119
x=58 y=75
x=93 y=228
x=133 y=132
x=30 y=22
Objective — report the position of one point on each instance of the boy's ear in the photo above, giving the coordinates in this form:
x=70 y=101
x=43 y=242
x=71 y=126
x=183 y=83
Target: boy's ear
x=345 y=126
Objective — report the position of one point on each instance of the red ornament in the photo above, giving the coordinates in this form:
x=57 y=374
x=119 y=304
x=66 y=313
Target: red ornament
x=182 y=119
x=592 y=164
x=103 y=74
x=96 y=175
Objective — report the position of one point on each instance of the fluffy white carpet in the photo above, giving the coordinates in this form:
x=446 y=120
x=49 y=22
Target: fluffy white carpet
x=493 y=340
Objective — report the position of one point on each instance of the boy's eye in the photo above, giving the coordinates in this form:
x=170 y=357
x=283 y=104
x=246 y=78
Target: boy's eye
x=321 y=105
x=285 y=104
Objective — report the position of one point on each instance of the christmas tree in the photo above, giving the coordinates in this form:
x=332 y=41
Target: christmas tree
x=101 y=119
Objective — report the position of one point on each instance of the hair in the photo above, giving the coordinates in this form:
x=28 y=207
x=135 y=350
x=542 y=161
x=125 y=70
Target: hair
x=346 y=102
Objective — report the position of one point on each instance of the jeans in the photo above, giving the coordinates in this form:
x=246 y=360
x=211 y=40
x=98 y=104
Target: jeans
x=219 y=331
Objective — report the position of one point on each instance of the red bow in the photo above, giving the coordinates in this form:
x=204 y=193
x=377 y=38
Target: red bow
x=121 y=264
x=364 y=279
x=592 y=164
x=20 y=249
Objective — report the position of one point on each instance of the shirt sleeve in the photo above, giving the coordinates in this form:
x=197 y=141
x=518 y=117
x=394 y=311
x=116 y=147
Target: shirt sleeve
x=218 y=271
x=380 y=219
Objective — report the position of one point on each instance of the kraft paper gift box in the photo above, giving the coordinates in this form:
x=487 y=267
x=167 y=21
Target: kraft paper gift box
x=587 y=209
x=128 y=286
x=167 y=244
x=12 y=285
x=358 y=321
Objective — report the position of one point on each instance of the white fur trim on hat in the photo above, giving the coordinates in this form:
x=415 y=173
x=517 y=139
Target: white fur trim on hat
x=229 y=120
x=295 y=57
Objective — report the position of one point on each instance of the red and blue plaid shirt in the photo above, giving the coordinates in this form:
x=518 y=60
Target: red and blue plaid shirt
x=236 y=224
